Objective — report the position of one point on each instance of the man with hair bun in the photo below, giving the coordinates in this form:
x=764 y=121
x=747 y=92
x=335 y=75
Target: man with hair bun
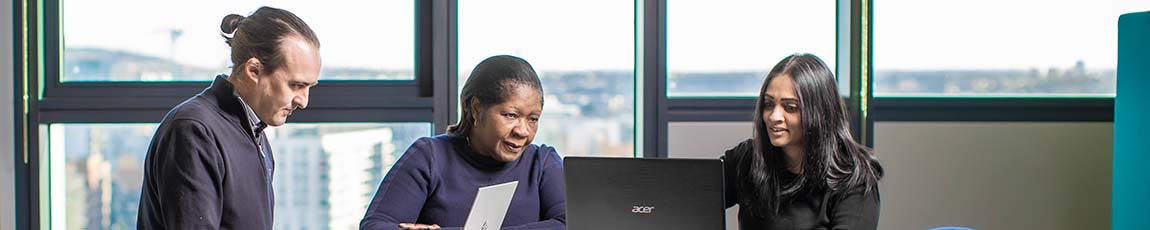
x=209 y=165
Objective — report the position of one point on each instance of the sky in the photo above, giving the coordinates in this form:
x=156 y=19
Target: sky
x=998 y=34
x=751 y=36
x=703 y=35
x=378 y=34
x=558 y=35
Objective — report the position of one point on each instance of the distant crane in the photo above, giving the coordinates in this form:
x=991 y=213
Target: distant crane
x=174 y=35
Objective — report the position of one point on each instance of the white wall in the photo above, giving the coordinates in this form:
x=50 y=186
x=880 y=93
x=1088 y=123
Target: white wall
x=1017 y=175
x=7 y=134
x=999 y=175
x=707 y=140
x=704 y=139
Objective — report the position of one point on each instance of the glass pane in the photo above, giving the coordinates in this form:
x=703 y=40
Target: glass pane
x=586 y=63
x=987 y=48
x=724 y=48
x=180 y=40
x=326 y=173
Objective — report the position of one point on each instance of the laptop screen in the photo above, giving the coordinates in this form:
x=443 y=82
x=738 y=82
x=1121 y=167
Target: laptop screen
x=638 y=193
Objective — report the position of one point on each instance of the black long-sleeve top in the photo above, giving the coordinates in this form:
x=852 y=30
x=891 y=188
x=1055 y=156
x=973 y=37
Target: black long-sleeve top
x=809 y=209
x=204 y=169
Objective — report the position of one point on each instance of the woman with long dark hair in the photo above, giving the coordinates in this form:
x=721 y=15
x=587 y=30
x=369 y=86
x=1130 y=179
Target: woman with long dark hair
x=801 y=169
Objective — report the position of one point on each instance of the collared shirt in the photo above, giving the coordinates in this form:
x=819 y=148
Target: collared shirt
x=258 y=133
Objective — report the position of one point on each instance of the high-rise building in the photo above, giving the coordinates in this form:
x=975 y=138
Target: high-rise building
x=358 y=159
x=327 y=175
x=300 y=181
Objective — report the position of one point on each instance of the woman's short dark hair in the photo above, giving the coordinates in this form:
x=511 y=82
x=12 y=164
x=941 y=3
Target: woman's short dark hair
x=259 y=35
x=832 y=162
x=490 y=83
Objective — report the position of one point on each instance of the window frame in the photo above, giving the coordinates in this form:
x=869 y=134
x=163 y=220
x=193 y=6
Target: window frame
x=337 y=100
x=48 y=100
x=432 y=95
x=722 y=109
x=25 y=173
x=976 y=109
x=993 y=109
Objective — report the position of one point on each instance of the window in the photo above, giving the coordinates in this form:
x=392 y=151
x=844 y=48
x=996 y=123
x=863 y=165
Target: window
x=725 y=48
x=96 y=174
x=343 y=164
x=984 y=48
x=180 y=41
x=100 y=170
x=584 y=54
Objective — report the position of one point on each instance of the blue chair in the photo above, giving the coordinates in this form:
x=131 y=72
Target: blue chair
x=1129 y=203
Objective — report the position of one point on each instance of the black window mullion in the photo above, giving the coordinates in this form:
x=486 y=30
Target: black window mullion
x=711 y=109
x=27 y=168
x=438 y=29
x=654 y=79
x=993 y=109
x=867 y=62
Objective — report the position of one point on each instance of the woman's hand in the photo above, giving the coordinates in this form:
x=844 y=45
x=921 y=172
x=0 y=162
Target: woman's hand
x=418 y=226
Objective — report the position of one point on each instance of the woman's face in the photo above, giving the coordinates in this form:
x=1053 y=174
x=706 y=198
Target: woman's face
x=504 y=130
x=782 y=114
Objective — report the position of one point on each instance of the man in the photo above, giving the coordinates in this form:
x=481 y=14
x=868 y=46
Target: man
x=209 y=165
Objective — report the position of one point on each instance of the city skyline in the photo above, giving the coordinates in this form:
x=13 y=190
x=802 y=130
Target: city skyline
x=104 y=170
x=328 y=172
x=101 y=173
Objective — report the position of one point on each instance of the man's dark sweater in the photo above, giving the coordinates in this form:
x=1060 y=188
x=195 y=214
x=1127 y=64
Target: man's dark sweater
x=204 y=170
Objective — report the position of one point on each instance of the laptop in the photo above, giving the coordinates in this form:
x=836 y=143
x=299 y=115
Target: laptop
x=638 y=193
x=490 y=206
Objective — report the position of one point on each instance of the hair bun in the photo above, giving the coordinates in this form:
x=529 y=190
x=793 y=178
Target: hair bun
x=230 y=23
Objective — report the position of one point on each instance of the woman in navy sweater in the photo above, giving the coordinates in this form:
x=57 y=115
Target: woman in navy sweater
x=434 y=184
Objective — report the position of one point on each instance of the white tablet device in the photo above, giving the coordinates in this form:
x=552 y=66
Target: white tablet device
x=490 y=206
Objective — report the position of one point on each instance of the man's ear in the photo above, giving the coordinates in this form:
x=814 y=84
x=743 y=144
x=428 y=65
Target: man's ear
x=253 y=68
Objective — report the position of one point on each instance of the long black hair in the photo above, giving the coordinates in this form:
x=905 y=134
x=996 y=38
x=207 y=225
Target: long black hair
x=832 y=160
x=490 y=83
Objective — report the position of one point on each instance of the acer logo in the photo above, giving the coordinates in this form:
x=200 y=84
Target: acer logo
x=642 y=209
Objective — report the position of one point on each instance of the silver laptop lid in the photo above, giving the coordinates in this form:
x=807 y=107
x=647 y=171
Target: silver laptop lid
x=490 y=206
